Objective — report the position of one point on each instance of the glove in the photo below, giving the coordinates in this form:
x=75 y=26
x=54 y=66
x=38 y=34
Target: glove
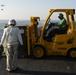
x=1 y=46
x=22 y=46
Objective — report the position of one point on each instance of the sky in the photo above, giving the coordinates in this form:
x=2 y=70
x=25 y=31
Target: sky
x=24 y=9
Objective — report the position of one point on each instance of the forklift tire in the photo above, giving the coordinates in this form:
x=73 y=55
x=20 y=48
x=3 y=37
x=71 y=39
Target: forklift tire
x=72 y=53
x=38 y=51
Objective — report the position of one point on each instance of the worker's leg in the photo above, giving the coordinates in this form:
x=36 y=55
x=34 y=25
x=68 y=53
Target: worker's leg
x=9 y=58
x=51 y=30
x=47 y=33
x=4 y=52
x=5 y=47
x=14 y=60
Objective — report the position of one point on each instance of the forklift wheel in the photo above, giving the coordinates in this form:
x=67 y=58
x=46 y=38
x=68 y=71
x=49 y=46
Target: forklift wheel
x=72 y=53
x=38 y=51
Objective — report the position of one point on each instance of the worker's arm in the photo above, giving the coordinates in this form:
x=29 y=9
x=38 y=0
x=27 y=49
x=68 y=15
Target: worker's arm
x=3 y=37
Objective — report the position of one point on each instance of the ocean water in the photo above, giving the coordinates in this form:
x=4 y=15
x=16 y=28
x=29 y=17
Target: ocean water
x=19 y=23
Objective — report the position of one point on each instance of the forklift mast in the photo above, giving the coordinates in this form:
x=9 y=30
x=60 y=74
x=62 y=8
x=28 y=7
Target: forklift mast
x=32 y=33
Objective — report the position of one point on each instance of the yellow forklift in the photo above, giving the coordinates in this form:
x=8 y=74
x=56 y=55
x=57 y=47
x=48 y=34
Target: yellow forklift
x=62 y=44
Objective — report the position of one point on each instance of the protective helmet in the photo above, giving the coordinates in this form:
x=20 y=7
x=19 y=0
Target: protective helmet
x=12 y=22
x=61 y=14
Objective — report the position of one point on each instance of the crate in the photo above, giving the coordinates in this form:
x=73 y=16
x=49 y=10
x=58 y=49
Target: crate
x=22 y=50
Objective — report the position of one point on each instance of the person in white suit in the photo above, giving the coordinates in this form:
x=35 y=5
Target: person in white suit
x=13 y=38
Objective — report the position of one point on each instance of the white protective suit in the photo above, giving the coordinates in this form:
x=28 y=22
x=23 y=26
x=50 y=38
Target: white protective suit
x=13 y=38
